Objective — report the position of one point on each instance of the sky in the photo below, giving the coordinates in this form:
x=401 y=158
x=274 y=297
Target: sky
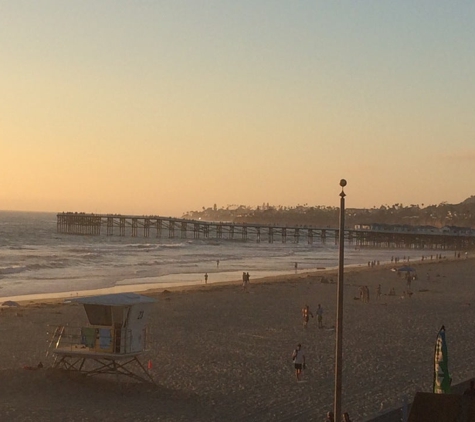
x=163 y=107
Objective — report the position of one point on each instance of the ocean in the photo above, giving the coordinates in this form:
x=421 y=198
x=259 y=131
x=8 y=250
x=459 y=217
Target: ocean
x=37 y=262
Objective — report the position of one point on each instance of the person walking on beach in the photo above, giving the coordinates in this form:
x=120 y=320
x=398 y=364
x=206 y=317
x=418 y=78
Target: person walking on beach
x=298 y=357
x=244 y=280
x=319 y=316
x=364 y=294
x=217 y=263
x=206 y=278
x=378 y=292
x=306 y=314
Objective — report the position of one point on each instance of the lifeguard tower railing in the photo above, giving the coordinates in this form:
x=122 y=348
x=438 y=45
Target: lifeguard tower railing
x=96 y=338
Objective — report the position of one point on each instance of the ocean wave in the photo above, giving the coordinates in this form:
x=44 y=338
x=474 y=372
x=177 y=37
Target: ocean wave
x=13 y=269
x=18 y=269
x=79 y=250
x=173 y=245
x=120 y=265
x=48 y=266
x=151 y=263
x=37 y=256
x=137 y=245
x=63 y=278
x=146 y=246
x=148 y=263
x=92 y=255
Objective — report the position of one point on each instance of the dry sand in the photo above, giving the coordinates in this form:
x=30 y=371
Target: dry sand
x=222 y=354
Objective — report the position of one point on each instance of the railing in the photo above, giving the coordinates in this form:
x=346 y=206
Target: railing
x=99 y=339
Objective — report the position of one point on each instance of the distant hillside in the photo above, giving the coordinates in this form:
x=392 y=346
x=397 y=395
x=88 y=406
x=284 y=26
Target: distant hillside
x=462 y=215
x=469 y=201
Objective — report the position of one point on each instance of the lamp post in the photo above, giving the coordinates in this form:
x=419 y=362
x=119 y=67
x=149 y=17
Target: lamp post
x=339 y=308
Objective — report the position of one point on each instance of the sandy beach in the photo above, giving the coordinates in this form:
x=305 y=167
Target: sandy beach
x=222 y=353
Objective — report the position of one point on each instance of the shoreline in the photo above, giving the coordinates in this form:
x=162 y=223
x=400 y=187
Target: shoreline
x=154 y=287
x=266 y=277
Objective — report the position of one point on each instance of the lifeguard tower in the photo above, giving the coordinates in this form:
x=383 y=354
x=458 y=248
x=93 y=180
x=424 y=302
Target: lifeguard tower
x=111 y=344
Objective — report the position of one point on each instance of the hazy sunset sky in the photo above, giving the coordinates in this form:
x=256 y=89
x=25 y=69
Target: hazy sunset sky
x=162 y=107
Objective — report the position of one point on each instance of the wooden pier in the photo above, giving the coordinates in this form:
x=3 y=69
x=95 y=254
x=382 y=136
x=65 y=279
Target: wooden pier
x=173 y=228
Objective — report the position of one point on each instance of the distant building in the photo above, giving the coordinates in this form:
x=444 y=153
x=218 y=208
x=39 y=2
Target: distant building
x=458 y=231
x=404 y=228
x=381 y=227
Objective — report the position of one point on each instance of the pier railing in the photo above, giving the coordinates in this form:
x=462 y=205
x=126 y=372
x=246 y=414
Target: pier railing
x=172 y=228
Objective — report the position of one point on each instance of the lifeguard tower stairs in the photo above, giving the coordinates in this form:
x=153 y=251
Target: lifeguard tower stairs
x=113 y=341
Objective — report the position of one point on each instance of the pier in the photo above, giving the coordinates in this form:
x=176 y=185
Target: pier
x=177 y=228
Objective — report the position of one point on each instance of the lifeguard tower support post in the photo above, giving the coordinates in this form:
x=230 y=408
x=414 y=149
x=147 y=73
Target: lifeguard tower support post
x=116 y=336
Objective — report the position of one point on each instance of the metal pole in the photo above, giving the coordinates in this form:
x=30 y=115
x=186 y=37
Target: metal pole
x=339 y=310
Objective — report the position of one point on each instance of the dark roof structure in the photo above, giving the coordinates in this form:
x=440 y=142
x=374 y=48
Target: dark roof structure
x=431 y=407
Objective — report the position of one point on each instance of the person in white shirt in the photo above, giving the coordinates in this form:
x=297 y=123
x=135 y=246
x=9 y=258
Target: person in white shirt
x=298 y=357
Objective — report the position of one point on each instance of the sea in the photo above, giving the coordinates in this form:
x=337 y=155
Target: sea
x=37 y=262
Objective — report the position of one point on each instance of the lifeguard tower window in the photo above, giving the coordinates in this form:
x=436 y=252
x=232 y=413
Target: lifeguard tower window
x=99 y=314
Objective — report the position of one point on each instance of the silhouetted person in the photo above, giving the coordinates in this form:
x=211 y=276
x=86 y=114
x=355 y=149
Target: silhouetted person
x=306 y=314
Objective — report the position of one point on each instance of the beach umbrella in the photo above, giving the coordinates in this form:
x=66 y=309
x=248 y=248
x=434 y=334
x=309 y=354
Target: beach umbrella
x=442 y=379
x=10 y=303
